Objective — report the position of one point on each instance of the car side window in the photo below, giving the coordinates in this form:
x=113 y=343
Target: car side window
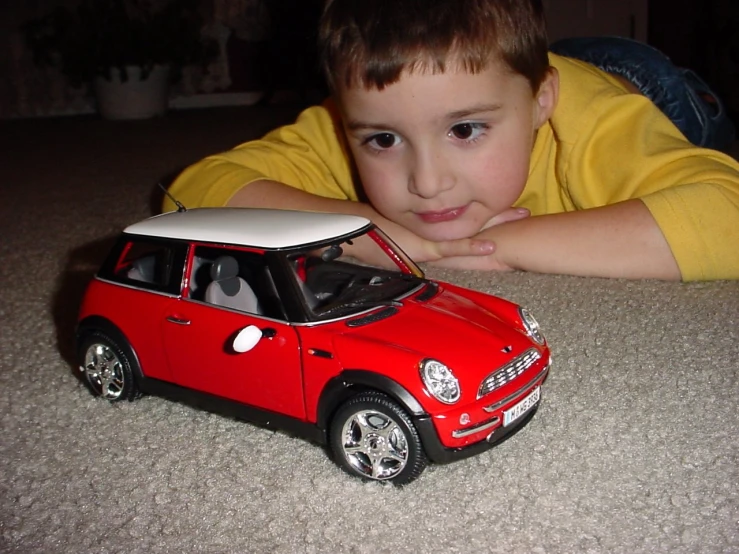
x=236 y=279
x=146 y=263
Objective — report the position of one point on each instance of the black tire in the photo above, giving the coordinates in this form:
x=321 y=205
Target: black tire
x=108 y=367
x=373 y=438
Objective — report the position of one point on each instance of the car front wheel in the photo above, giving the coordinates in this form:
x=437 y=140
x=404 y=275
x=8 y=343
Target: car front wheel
x=372 y=437
x=107 y=367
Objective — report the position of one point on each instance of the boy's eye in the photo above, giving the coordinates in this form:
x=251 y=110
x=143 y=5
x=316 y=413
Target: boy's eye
x=467 y=131
x=382 y=140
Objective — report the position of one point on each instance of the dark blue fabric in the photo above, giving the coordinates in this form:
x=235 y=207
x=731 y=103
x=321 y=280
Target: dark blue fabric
x=678 y=92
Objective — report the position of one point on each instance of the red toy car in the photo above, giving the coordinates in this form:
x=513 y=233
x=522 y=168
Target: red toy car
x=266 y=315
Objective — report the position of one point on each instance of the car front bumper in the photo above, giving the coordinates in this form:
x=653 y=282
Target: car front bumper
x=439 y=434
x=440 y=454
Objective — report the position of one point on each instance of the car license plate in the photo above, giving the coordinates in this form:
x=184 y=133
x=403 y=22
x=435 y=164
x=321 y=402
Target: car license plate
x=512 y=414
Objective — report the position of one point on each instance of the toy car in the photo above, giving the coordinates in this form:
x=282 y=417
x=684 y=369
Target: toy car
x=267 y=315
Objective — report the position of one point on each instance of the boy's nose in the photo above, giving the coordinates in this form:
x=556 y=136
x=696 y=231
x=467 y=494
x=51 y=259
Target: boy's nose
x=428 y=179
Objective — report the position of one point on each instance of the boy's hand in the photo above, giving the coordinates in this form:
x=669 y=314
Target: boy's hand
x=423 y=250
x=483 y=261
x=466 y=253
x=480 y=263
x=511 y=214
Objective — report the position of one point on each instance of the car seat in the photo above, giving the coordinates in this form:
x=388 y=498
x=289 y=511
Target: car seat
x=143 y=269
x=228 y=289
x=199 y=277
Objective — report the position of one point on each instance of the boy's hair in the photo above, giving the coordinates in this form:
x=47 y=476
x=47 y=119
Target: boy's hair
x=370 y=43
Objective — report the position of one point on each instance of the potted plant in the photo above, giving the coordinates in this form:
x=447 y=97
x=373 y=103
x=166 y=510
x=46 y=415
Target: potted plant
x=128 y=51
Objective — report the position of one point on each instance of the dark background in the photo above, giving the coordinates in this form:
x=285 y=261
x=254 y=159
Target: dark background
x=702 y=35
x=695 y=34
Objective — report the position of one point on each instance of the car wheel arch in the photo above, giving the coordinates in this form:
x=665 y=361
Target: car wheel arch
x=98 y=323
x=354 y=381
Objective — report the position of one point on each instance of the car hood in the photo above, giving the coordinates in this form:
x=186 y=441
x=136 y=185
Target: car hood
x=469 y=338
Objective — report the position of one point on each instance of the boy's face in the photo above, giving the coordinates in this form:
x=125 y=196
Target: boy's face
x=441 y=154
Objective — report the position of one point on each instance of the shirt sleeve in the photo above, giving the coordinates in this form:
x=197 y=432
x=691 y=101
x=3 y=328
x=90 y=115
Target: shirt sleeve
x=308 y=154
x=631 y=150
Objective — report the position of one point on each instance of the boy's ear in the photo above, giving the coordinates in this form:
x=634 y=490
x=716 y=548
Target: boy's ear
x=547 y=96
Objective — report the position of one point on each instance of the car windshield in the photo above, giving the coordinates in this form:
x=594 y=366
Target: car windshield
x=333 y=283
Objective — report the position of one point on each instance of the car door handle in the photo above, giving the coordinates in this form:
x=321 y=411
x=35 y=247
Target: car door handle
x=178 y=320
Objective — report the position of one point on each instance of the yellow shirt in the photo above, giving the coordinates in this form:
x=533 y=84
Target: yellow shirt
x=602 y=145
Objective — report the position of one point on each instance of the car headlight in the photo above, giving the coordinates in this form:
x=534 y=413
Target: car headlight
x=440 y=381
x=531 y=325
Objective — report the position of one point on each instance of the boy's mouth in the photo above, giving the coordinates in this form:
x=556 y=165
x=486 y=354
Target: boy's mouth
x=442 y=216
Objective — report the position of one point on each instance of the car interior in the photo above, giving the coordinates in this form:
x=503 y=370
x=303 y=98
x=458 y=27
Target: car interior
x=235 y=279
x=228 y=289
x=146 y=262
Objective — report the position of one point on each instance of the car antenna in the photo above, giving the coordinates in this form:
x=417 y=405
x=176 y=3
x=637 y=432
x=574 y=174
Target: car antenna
x=180 y=206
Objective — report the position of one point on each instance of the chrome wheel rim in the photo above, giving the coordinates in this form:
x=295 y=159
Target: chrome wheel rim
x=104 y=371
x=374 y=445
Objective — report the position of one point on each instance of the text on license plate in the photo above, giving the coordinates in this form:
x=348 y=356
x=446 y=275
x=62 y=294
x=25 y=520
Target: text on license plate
x=512 y=414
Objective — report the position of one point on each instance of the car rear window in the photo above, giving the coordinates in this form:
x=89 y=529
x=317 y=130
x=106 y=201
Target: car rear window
x=147 y=263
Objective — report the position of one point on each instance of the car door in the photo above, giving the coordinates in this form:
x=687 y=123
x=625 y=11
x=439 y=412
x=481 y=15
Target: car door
x=199 y=335
x=141 y=278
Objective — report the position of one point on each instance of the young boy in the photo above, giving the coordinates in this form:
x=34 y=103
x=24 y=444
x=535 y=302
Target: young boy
x=453 y=128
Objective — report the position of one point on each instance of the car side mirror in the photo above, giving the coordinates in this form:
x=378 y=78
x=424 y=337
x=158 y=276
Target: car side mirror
x=247 y=338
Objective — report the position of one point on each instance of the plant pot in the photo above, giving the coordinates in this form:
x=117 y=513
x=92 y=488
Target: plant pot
x=134 y=98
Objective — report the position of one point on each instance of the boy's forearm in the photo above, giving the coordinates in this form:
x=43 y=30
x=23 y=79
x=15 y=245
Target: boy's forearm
x=273 y=194
x=620 y=240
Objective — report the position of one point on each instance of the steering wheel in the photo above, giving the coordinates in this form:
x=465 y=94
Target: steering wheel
x=353 y=281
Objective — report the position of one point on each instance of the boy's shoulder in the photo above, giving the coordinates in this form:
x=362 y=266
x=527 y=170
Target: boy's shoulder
x=582 y=84
x=590 y=98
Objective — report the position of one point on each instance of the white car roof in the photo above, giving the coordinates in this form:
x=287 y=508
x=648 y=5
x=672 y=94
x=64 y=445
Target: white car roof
x=260 y=228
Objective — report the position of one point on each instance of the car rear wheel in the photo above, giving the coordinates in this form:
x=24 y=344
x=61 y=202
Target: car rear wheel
x=372 y=437
x=106 y=365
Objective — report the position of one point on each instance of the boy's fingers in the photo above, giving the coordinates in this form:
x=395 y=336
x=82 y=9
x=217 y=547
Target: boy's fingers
x=511 y=214
x=488 y=263
x=465 y=247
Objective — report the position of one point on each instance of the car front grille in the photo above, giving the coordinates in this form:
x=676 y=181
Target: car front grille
x=508 y=372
